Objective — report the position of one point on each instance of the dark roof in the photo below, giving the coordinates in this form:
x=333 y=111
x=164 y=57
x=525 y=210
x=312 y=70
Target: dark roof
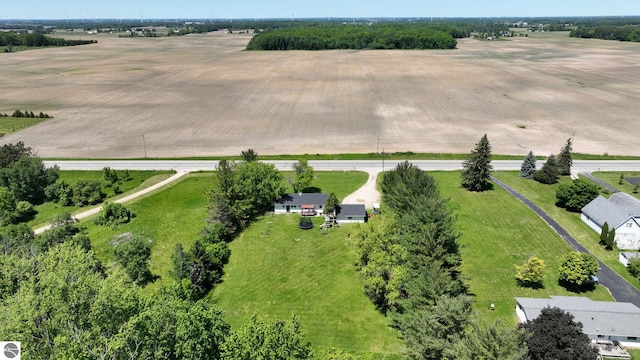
x=352 y=210
x=597 y=317
x=303 y=199
x=601 y=210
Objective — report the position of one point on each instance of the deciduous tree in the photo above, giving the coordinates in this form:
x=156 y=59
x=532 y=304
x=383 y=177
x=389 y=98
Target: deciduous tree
x=531 y=272
x=490 y=342
x=555 y=335
x=576 y=195
x=476 y=170
x=577 y=267
x=133 y=255
x=304 y=175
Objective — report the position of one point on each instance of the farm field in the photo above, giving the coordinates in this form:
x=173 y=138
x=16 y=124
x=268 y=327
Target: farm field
x=202 y=95
x=544 y=196
x=499 y=232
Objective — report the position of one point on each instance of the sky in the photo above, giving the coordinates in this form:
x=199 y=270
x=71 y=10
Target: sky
x=218 y=9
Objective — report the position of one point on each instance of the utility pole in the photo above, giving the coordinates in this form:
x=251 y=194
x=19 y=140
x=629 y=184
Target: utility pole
x=382 y=159
x=144 y=143
x=378 y=144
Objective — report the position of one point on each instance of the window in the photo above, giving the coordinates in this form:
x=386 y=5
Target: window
x=633 y=338
x=629 y=224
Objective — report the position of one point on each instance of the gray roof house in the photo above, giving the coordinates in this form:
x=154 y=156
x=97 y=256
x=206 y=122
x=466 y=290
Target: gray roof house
x=350 y=213
x=303 y=203
x=626 y=257
x=601 y=320
x=621 y=212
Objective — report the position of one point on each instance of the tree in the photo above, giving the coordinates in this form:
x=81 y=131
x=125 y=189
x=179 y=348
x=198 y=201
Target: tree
x=476 y=170
x=304 y=175
x=610 y=240
x=576 y=268
x=7 y=206
x=554 y=335
x=576 y=195
x=549 y=173
x=275 y=340
x=604 y=233
x=333 y=205
x=60 y=192
x=249 y=155
x=528 y=166
x=531 y=272
x=634 y=268
x=180 y=263
x=87 y=192
x=564 y=159
x=428 y=333
x=109 y=176
x=133 y=255
x=490 y=342
x=10 y=153
x=621 y=180
x=113 y=214
x=27 y=179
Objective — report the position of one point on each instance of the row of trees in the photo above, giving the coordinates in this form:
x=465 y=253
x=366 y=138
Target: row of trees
x=37 y=39
x=383 y=36
x=608 y=32
x=27 y=114
x=575 y=271
x=554 y=167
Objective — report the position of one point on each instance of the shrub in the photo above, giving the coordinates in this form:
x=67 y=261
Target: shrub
x=113 y=214
x=577 y=195
x=87 y=192
x=134 y=255
x=634 y=268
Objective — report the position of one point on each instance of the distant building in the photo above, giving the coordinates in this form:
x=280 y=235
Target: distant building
x=621 y=212
x=351 y=213
x=302 y=203
x=601 y=320
x=625 y=257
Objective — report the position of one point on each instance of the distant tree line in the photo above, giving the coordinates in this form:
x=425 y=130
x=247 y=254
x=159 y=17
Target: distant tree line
x=377 y=36
x=608 y=32
x=27 y=114
x=36 y=39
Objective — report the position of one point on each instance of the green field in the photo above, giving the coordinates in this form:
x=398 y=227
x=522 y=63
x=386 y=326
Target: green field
x=277 y=270
x=11 y=124
x=544 y=196
x=498 y=232
x=138 y=181
x=613 y=178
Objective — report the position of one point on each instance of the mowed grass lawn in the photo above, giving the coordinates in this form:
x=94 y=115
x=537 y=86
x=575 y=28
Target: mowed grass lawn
x=277 y=270
x=138 y=180
x=545 y=197
x=498 y=232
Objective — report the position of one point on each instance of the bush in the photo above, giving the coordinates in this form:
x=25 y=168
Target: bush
x=549 y=172
x=24 y=211
x=577 y=195
x=87 y=192
x=113 y=214
x=634 y=268
x=134 y=255
x=60 y=192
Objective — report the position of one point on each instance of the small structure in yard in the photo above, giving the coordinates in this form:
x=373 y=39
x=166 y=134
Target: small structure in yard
x=351 y=213
x=601 y=320
x=302 y=203
x=621 y=212
x=625 y=257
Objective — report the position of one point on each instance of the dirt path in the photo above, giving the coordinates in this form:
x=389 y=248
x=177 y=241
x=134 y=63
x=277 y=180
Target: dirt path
x=95 y=210
x=367 y=194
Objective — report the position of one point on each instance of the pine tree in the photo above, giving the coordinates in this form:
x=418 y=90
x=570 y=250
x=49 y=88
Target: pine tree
x=528 y=166
x=548 y=174
x=477 y=169
x=564 y=159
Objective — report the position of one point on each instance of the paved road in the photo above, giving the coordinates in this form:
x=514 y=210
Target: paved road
x=620 y=289
x=332 y=165
x=604 y=184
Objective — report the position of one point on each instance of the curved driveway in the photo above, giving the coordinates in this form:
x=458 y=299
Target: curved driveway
x=619 y=288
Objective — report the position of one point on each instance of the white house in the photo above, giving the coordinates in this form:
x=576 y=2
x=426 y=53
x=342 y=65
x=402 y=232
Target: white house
x=601 y=320
x=625 y=257
x=302 y=203
x=621 y=212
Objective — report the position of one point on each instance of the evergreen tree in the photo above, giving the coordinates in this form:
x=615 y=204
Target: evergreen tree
x=249 y=155
x=564 y=159
x=477 y=169
x=528 y=166
x=604 y=233
x=549 y=173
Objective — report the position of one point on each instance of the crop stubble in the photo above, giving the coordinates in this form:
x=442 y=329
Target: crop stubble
x=202 y=95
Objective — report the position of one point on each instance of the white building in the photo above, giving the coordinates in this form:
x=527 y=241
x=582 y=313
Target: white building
x=601 y=320
x=621 y=212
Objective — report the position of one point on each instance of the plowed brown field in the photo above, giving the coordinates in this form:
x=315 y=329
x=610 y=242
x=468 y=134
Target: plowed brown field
x=204 y=96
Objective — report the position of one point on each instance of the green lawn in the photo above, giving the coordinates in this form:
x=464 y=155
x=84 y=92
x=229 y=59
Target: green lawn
x=138 y=181
x=277 y=270
x=342 y=183
x=613 y=178
x=11 y=124
x=544 y=196
x=497 y=233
